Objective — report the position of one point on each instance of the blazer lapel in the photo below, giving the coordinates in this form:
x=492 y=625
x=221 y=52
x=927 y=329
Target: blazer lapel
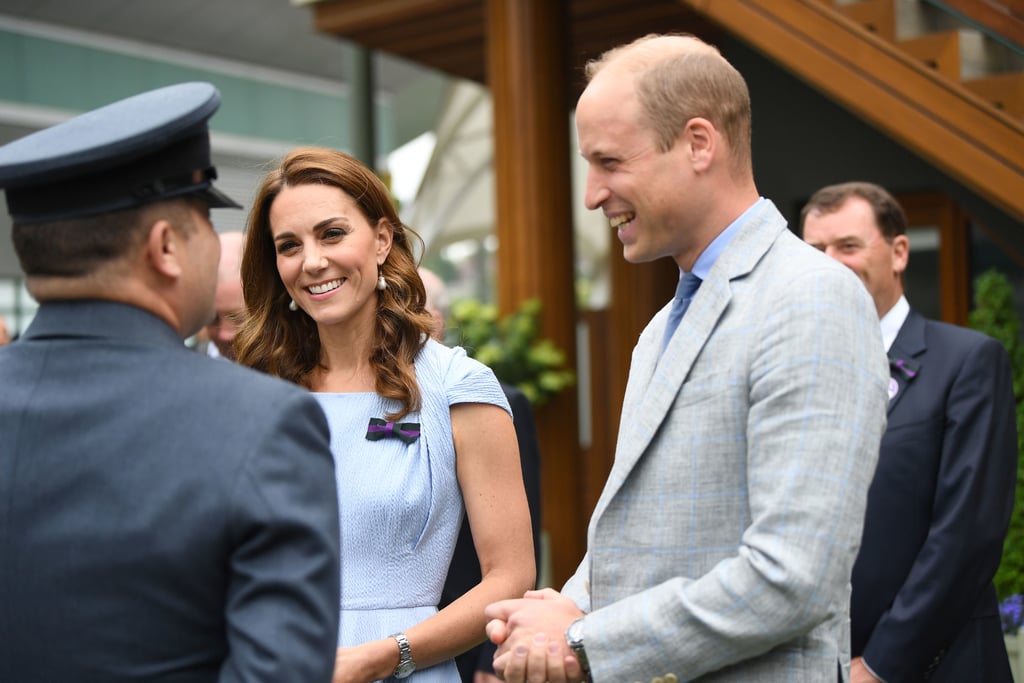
x=906 y=357
x=654 y=383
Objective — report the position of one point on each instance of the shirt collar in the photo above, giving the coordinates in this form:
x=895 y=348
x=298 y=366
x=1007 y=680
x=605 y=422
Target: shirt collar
x=708 y=257
x=892 y=321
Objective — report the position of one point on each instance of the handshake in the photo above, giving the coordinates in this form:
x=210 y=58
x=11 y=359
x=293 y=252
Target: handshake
x=530 y=635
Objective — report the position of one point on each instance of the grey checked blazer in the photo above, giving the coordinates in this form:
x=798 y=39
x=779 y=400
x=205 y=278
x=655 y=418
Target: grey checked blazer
x=722 y=545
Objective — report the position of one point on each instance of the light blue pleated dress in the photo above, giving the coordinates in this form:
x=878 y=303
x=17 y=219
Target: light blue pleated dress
x=400 y=503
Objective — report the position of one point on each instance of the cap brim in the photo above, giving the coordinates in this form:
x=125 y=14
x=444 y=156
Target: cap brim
x=217 y=199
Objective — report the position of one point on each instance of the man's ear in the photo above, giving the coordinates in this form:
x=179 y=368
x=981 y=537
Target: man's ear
x=701 y=141
x=163 y=249
x=900 y=253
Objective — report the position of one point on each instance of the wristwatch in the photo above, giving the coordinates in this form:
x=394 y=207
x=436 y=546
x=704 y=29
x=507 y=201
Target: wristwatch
x=405 y=664
x=574 y=637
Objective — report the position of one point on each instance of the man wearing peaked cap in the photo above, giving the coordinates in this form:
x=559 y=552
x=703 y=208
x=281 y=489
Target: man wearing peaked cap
x=162 y=516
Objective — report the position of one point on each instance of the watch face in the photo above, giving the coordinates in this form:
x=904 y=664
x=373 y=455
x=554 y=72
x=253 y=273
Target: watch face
x=404 y=669
x=573 y=634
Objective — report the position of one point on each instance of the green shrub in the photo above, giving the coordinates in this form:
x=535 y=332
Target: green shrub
x=509 y=346
x=995 y=314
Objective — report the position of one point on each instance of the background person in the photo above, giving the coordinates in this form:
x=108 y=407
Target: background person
x=722 y=544
x=923 y=603
x=228 y=302
x=335 y=304
x=476 y=664
x=162 y=517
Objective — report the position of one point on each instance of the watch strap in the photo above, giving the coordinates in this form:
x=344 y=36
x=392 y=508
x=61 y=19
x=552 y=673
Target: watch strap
x=406 y=665
x=574 y=638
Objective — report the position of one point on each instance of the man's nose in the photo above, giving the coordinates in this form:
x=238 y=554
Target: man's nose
x=596 y=191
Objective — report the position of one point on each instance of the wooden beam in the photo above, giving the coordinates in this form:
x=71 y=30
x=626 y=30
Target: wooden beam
x=346 y=17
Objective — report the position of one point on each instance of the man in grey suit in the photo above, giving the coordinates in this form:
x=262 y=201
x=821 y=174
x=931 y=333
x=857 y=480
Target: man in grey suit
x=163 y=516
x=722 y=544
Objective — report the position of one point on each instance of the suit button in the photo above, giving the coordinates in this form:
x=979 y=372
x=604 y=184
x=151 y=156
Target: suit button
x=671 y=678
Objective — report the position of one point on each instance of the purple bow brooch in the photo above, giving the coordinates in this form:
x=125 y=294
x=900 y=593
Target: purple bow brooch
x=909 y=370
x=382 y=429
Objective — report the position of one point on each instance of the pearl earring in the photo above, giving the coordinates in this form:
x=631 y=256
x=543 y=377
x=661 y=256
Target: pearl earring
x=382 y=284
x=293 y=306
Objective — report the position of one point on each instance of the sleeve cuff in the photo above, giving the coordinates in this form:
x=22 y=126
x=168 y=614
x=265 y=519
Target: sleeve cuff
x=872 y=671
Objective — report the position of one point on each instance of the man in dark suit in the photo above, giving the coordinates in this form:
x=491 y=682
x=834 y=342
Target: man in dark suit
x=464 y=572
x=923 y=605
x=163 y=517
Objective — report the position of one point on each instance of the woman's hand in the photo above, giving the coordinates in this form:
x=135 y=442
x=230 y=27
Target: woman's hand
x=366 y=663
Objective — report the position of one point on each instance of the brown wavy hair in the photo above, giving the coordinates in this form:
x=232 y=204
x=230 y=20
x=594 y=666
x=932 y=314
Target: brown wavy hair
x=286 y=343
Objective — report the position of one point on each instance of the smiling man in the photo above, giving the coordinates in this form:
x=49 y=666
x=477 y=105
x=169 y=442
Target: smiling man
x=722 y=544
x=923 y=604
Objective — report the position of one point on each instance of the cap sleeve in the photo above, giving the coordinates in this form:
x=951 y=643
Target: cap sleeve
x=465 y=379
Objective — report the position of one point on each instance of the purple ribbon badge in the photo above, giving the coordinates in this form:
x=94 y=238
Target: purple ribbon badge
x=909 y=370
x=381 y=429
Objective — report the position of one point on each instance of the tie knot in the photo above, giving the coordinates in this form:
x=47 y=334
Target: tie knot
x=688 y=285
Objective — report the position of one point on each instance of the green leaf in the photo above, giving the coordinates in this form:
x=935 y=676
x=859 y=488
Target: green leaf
x=510 y=346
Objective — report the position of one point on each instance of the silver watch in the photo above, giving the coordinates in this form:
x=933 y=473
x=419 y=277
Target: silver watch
x=574 y=637
x=405 y=664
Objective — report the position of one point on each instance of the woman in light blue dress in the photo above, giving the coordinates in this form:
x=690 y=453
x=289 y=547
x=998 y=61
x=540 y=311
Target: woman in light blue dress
x=421 y=433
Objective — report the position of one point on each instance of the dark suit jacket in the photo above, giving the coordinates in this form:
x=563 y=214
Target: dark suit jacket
x=163 y=516
x=464 y=572
x=938 y=509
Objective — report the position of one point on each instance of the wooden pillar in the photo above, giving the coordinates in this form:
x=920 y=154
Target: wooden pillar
x=955 y=266
x=528 y=77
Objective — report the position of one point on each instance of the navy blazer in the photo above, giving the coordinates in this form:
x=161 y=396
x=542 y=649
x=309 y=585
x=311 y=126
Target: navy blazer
x=163 y=516
x=923 y=605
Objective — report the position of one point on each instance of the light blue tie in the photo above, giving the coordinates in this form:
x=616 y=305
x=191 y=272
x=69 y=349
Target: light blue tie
x=685 y=291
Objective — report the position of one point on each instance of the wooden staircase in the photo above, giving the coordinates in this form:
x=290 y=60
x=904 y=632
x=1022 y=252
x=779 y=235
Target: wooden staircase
x=914 y=69
x=977 y=43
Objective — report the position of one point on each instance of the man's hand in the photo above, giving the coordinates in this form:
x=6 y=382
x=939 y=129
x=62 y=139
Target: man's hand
x=859 y=673
x=530 y=634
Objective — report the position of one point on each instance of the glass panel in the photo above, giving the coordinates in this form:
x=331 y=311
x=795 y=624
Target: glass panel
x=921 y=280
